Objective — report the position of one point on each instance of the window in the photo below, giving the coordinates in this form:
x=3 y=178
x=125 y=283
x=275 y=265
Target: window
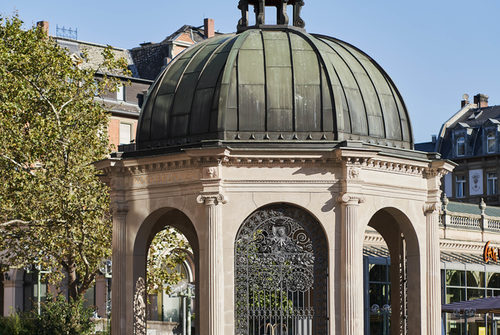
x=491 y=185
x=460 y=186
x=120 y=93
x=461 y=146
x=125 y=133
x=460 y=285
x=491 y=142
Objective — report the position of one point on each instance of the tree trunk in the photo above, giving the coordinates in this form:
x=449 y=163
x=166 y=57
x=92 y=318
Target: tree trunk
x=73 y=292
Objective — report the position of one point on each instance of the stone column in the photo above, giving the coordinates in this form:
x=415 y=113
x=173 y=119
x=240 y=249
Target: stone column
x=118 y=284
x=215 y=266
x=433 y=269
x=351 y=267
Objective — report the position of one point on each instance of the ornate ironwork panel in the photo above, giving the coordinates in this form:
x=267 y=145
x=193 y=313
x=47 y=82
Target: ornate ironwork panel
x=281 y=274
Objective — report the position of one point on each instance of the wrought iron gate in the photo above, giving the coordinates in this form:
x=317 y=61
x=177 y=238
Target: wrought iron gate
x=281 y=275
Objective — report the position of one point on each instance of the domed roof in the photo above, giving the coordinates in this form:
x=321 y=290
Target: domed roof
x=272 y=87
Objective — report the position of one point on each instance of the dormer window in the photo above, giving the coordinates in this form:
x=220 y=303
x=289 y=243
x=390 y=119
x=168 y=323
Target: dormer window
x=491 y=142
x=120 y=93
x=461 y=146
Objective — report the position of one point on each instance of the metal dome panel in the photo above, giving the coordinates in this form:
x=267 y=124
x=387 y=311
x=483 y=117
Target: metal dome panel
x=273 y=87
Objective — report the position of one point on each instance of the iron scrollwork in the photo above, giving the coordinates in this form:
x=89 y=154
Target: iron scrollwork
x=280 y=274
x=140 y=307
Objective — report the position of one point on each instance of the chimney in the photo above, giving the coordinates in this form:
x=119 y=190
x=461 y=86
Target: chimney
x=481 y=100
x=465 y=100
x=209 y=28
x=44 y=26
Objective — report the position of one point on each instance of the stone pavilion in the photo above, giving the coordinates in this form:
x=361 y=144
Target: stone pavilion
x=272 y=150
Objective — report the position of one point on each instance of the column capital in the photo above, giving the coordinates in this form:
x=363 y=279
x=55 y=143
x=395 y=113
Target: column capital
x=119 y=207
x=351 y=199
x=431 y=208
x=211 y=199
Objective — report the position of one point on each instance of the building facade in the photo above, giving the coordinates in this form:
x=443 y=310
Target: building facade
x=471 y=138
x=465 y=230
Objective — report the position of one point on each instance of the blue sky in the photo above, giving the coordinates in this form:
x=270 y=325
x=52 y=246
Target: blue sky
x=433 y=50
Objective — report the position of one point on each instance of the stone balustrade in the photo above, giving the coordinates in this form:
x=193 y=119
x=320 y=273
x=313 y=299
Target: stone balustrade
x=465 y=219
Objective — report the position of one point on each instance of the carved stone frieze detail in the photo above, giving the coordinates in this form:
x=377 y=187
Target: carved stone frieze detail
x=279 y=161
x=353 y=173
x=433 y=172
x=211 y=172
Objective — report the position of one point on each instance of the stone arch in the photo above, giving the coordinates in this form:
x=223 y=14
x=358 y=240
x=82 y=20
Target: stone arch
x=281 y=272
x=405 y=272
x=245 y=215
x=151 y=226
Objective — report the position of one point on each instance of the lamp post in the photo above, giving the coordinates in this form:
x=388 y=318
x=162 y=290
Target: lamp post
x=39 y=272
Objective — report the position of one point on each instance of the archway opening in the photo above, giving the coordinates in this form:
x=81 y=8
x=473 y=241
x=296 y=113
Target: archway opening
x=166 y=263
x=171 y=283
x=391 y=275
x=281 y=273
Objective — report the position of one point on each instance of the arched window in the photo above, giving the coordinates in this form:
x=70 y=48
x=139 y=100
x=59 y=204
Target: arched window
x=461 y=146
x=281 y=274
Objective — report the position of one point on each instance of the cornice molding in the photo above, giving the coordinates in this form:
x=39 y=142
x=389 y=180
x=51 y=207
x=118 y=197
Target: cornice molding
x=355 y=164
x=443 y=244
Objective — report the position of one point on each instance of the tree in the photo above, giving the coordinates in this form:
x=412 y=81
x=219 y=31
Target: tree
x=54 y=210
x=167 y=251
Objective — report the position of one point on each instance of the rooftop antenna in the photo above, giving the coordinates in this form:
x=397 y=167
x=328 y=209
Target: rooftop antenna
x=67 y=32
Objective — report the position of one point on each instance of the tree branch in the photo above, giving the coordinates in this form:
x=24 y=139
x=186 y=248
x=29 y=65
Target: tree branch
x=29 y=223
x=43 y=96
x=19 y=165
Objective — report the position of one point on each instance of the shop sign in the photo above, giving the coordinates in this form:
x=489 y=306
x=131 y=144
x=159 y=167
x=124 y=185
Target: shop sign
x=490 y=253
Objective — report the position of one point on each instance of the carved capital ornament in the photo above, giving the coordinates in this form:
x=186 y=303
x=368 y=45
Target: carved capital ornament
x=350 y=199
x=211 y=199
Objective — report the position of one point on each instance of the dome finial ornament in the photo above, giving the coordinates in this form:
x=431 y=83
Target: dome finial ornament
x=260 y=12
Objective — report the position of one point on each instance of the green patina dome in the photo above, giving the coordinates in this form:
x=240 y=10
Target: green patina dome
x=272 y=87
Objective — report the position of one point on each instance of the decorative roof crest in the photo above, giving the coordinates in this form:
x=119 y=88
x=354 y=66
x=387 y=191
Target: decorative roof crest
x=260 y=12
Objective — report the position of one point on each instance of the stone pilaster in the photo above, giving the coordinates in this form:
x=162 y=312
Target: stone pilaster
x=118 y=284
x=431 y=211
x=13 y=291
x=352 y=267
x=215 y=266
x=101 y=296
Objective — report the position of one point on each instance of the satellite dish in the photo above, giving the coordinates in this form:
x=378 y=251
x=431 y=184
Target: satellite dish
x=465 y=97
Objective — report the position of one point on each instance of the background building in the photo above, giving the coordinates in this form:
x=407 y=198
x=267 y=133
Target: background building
x=464 y=231
x=150 y=58
x=21 y=289
x=470 y=138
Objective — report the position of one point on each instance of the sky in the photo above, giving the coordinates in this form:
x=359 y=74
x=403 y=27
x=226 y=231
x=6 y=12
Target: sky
x=434 y=50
